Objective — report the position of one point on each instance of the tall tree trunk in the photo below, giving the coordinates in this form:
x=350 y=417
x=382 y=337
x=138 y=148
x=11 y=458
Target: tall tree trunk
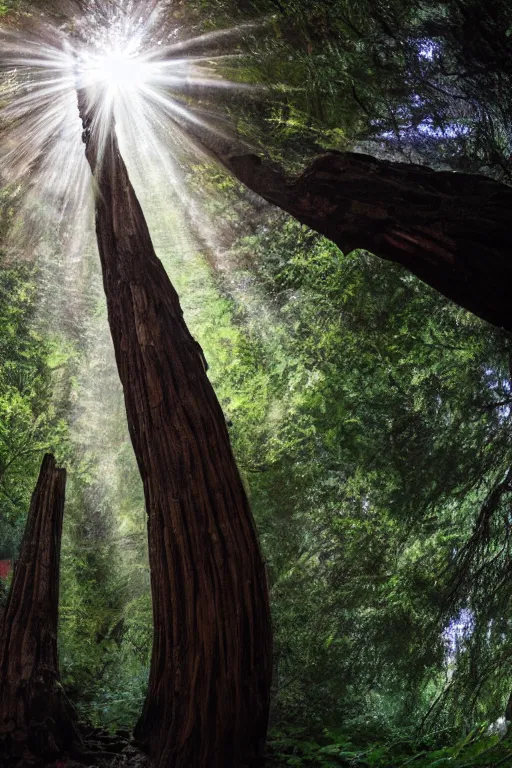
x=35 y=716
x=208 y=696
x=452 y=230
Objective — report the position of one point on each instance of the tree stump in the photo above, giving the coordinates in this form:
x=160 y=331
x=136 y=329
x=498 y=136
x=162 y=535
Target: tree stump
x=36 y=719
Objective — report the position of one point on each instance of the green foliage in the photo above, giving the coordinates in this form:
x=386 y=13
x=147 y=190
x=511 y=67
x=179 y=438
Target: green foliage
x=383 y=424
x=474 y=750
x=29 y=425
x=425 y=80
x=370 y=418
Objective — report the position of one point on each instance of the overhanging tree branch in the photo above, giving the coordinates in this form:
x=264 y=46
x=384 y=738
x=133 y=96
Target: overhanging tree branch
x=451 y=230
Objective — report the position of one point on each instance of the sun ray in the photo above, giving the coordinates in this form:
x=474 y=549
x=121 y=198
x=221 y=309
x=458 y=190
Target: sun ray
x=132 y=69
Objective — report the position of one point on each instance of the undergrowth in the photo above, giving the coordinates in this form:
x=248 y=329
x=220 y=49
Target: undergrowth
x=477 y=749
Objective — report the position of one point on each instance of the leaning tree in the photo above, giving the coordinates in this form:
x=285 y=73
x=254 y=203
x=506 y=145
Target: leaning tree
x=450 y=229
x=208 y=697
x=36 y=719
x=423 y=79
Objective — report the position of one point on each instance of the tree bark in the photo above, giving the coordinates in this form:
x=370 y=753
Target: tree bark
x=452 y=230
x=208 y=696
x=35 y=716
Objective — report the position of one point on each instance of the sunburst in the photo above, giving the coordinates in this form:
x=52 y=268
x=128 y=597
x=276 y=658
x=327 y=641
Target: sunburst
x=132 y=67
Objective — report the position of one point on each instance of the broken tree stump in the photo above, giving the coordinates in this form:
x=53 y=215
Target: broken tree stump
x=36 y=719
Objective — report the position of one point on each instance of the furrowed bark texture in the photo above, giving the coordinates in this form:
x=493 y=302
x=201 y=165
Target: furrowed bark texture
x=452 y=230
x=208 y=698
x=35 y=716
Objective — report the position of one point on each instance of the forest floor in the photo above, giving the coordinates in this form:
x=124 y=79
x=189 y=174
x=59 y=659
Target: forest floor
x=129 y=757
x=481 y=748
x=479 y=753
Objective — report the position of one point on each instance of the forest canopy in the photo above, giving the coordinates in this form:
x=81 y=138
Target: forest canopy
x=325 y=186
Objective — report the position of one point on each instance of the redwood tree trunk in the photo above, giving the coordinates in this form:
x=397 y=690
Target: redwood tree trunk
x=35 y=716
x=452 y=230
x=208 y=697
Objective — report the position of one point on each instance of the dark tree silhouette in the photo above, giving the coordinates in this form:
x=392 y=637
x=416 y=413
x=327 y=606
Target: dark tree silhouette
x=450 y=229
x=208 y=696
x=36 y=719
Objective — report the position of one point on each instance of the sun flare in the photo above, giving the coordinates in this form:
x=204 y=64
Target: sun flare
x=147 y=78
x=118 y=70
